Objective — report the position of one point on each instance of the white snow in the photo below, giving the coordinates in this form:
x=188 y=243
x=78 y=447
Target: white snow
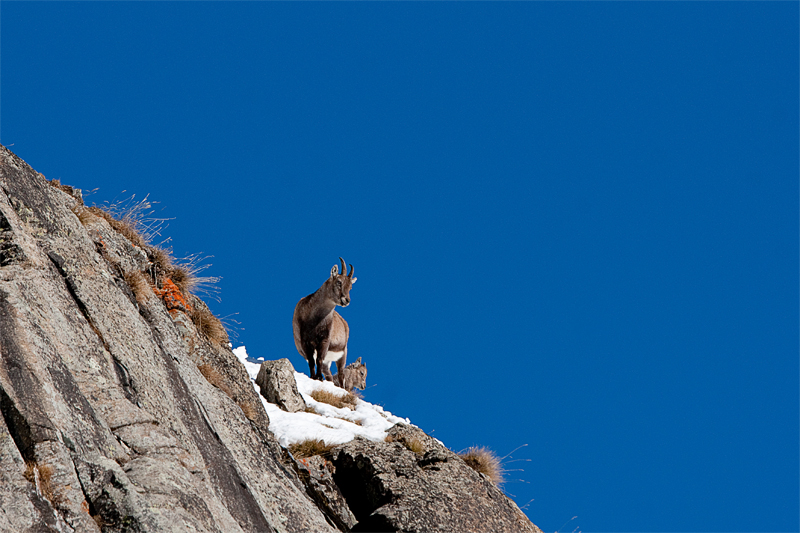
x=332 y=425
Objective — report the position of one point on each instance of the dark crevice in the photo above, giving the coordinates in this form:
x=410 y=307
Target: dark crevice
x=126 y=380
x=18 y=427
x=26 y=421
x=206 y=420
x=361 y=488
x=10 y=251
x=374 y=524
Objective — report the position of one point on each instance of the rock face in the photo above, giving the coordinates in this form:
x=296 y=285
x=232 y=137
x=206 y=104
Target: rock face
x=278 y=386
x=119 y=413
x=108 y=423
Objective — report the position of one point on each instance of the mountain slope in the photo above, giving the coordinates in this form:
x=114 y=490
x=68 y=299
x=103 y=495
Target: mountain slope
x=122 y=412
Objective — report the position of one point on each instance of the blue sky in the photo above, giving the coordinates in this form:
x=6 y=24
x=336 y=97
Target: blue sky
x=574 y=225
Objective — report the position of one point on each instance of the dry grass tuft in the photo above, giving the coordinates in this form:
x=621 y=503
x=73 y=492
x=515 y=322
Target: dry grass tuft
x=413 y=444
x=139 y=285
x=190 y=268
x=124 y=228
x=348 y=400
x=83 y=214
x=181 y=277
x=248 y=410
x=309 y=448
x=209 y=325
x=484 y=461
x=30 y=471
x=213 y=376
x=46 y=484
x=138 y=215
x=161 y=259
x=41 y=476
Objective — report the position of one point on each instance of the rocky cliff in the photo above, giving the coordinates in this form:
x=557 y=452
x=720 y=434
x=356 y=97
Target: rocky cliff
x=124 y=410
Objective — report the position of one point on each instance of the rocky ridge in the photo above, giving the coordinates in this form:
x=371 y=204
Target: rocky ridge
x=120 y=413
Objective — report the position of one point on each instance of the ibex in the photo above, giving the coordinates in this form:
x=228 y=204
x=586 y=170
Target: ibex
x=320 y=333
x=354 y=376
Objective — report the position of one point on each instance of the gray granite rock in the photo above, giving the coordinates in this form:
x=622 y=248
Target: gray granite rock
x=391 y=488
x=278 y=386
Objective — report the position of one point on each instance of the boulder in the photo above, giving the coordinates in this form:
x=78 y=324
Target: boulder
x=278 y=386
x=389 y=487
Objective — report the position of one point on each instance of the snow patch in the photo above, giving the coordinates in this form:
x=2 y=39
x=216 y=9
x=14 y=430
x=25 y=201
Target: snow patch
x=330 y=424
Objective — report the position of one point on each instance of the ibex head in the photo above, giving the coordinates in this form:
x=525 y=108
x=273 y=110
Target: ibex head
x=340 y=284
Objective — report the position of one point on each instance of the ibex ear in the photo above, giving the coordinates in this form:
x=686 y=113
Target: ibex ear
x=334 y=270
x=353 y=280
x=358 y=360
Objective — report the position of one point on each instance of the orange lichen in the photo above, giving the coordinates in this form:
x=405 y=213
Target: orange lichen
x=172 y=296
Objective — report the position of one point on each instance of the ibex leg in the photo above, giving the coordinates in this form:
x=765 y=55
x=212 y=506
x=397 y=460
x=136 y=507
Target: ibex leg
x=311 y=365
x=326 y=369
x=322 y=367
x=313 y=372
x=340 y=364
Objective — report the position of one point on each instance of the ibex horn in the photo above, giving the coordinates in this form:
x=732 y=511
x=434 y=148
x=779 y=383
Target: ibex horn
x=350 y=275
x=344 y=268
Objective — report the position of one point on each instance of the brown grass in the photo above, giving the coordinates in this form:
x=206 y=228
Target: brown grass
x=161 y=259
x=41 y=476
x=484 y=461
x=30 y=473
x=138 y=215
x=182 y=278
x=209 y=325
x=413 y=444
x=309 y=448
x=214 y=377
x=183 y=272
x=139 y=285
x=248 y=410
x=123 y=227
x=83 y=214
x=188 y=269
x=348 y=400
